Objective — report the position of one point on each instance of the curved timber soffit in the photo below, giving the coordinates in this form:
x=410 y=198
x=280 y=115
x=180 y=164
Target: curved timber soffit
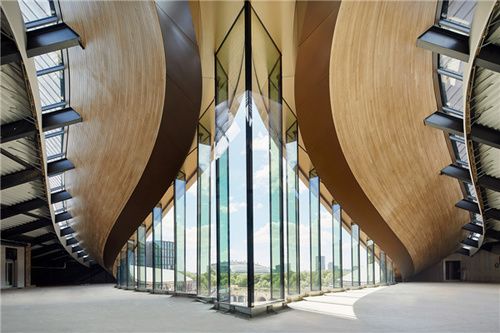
x=312 y=95
x=178 y=123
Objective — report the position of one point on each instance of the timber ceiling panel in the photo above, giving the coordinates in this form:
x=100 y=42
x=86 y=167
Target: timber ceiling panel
x=381 y=90
x=118 y=86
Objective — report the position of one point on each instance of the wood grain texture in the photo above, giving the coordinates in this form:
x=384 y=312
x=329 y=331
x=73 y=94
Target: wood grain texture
x=381 y=90
x=317 y=23
x=117 y=84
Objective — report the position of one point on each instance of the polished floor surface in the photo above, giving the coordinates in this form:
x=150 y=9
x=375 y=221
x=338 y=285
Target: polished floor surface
x=408 y=307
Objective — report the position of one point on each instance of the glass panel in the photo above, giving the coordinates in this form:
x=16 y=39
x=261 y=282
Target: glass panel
x=451 y=64
x=460 y=12
x=363 y=264
x=48 y=60
x=304 y=238
x=371 y=261
x=180 y=234
x=383 y=272
x=51 y=88
x=248 y=150
x=191 y=253
x=451 y=92
x=131 y=264
x=389 y=271
x=326 y=248
x=315 y=231
x=149 y=256
x=203 y=193
x=33 y=10
x=346 y=258
x=141 y=256
x=355 y=255
x=276 y=180
x=292 y=181
x=167 y=230
x=337 y=246
x=157 y=248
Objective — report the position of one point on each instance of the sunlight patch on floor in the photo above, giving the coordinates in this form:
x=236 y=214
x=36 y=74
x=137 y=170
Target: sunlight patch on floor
x=339 y=304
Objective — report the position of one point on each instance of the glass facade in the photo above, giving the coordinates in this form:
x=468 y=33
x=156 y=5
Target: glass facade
x=180 y=232
x=337 y=246
x=383 y=268
x=292 y=208
x=203 y=202
x=157 y=249
x=141 y=256
x=355 y=271
x=248 y=153
x=247 y=222
x=370 y=251
x=315 y=231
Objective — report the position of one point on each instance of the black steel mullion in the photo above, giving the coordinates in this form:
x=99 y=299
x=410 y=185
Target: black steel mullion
x=249 y=151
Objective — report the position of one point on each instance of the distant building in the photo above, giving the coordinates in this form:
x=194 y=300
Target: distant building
x=167 y=254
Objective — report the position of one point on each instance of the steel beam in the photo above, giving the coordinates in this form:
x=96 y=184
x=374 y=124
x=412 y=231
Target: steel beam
x=50 y=38
x=444 y=41
x=71 y=241
x=26 y=127
x=26 y=227
x=20 y=177
x=489 y=57
x=45 y=249
x=59 y=166
x=454 y=125
x=469 y=205
x=76 y=249
x=492 y=213
x=463 y=174
x=66 y=231
x=456 y=172
x=22 y=207
x=470 y=242
x=17 y=130
x=61 y=217
x=472 y=227
x=60 y=118
x=9 y=51
x=59 y=196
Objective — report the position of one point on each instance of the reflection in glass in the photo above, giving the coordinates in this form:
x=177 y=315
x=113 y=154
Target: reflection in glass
x=363 y=257
x=355 y=255
x=337 y=246
x=130 y=264
x=203 y=193
x=315 y=231
x=304 y=238
x=292 y=212
x=190 y=237
x=168 y=257
x=451 y=92
x=371 y=261
x=179 y=231
x=141 y=256
x=383 y=268
x=326 y=241
x=248 y=154
x=157 y=248
x=346 y=258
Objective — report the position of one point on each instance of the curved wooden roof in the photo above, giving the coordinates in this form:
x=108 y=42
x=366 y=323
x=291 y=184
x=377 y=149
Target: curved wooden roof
x=117 y=84
x=381 y=90
x=372 y=149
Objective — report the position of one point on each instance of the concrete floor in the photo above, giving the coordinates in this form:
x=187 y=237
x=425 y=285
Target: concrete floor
x=408 y=307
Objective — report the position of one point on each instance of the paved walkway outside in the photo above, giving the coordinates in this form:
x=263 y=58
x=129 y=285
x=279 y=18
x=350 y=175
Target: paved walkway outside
x=408 y=307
